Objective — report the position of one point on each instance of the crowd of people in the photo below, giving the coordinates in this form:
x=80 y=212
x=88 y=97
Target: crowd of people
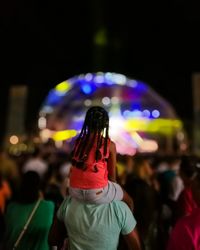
x=96 y=199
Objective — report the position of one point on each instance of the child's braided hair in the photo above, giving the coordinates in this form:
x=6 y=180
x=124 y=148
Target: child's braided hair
x=96 y=123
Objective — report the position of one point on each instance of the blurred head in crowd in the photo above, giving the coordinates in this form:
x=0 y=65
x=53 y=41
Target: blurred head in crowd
x=188 y=169
x=142 y=168
x=196 y=188
x=30 y=187
x=174 y=163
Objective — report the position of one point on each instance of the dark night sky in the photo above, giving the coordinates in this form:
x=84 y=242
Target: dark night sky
x=45 y=42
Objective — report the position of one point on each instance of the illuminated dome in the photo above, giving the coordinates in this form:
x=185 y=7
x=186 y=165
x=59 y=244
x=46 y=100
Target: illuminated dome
x=139 y=117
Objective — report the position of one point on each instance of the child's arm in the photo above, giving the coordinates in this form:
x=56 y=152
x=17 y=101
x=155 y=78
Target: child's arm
x=112 y=162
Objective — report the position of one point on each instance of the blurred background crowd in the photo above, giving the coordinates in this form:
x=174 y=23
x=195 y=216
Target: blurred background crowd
x=137 y=59
x=159 y=185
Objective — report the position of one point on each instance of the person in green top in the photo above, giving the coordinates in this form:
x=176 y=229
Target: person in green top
x=17 y=214
x=94 y=227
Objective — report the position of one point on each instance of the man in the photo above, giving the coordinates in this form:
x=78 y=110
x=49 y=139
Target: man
x=140 y=187
x=91 y=226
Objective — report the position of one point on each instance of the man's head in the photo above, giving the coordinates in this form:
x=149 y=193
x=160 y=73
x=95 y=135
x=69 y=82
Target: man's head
x=30 y=187
x=142 y=168
x=196 y=188
x=187 y=169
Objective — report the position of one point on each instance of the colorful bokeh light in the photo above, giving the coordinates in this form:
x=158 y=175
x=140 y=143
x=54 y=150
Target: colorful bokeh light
x=137 y=113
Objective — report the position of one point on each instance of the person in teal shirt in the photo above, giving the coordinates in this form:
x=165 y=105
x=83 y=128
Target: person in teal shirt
x=17 y=214
x=91 y=226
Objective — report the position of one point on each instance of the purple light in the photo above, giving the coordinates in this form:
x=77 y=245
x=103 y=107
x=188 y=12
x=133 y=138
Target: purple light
x=146 y=113
x=155 y=113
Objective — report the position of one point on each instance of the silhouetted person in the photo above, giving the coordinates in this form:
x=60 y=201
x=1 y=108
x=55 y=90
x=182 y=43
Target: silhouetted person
x=17 y=214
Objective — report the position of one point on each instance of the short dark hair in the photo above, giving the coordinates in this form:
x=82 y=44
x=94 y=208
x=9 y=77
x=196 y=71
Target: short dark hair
x=188 y=166
x=30 y=186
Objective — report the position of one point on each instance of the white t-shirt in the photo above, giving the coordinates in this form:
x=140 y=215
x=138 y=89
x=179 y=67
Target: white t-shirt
x=176 y=188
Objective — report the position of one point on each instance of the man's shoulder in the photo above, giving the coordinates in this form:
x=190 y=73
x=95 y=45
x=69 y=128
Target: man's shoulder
x=119 y=203
x=47 y=204
x=67 y=201
x=115 y=205
x=120 y=207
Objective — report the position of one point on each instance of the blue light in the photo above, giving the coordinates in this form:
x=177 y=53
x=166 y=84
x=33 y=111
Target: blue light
x=136 y=113
x=99 y=79
x=109 y=78
x=88 y=77
x=136 y=106
x=132 y=83
x=86 y=88
x=155 y=113
x=146 y=113
x=126 y=113
x=141 y=87
x=132 y=114
x=53 y=98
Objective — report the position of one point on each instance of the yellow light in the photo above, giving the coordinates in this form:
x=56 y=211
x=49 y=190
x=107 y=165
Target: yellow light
x=63 y=87
x=23 y=147
x=64 y=135
x=120 y=169
x=137 y=138
x=100 y=38
x=163 y=126
x=14 y=139
x=177 y=124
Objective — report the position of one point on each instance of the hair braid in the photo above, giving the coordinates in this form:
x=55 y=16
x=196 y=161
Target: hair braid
x=96 y=123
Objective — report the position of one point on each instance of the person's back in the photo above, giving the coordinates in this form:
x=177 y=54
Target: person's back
x=98 y=227
x=18 y=214
x=140 y=187
x=186 y=203
x=186 y=234
x=36 y=235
